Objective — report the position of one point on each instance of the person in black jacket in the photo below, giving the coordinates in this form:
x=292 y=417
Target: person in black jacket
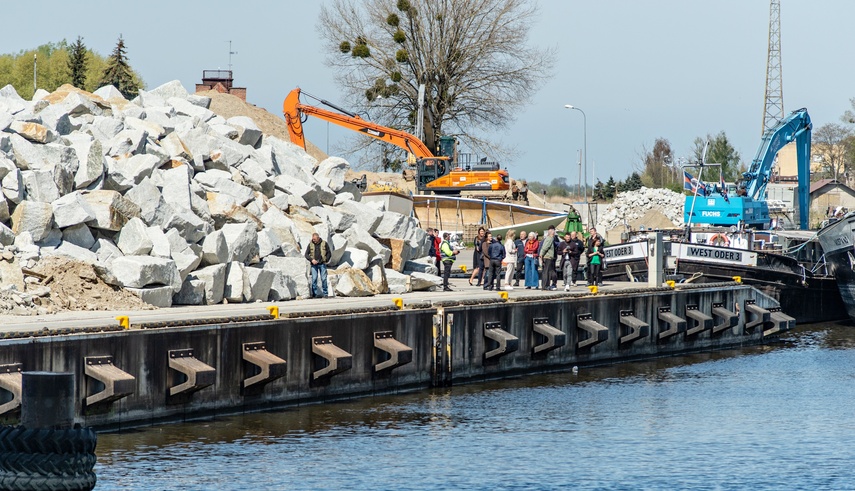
x=570 y=250
x=520 y=243
x=590 y=245
x=496 y=252
x=477 y=258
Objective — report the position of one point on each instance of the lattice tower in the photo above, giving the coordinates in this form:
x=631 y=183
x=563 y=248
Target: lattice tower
x=773 y=106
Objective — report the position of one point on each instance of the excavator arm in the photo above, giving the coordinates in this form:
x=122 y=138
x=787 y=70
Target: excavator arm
x=796 y=126
x=294 y=111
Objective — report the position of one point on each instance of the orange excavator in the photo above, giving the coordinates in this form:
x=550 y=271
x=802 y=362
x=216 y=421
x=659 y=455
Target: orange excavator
x=441 y=174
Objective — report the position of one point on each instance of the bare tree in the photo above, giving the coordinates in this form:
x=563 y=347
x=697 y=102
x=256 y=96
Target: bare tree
x=849 y=115
x=471 y=55
x=830 y=145
x=656 y=165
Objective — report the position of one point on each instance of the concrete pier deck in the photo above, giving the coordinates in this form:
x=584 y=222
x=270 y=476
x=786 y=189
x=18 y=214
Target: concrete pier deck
x=461 y=287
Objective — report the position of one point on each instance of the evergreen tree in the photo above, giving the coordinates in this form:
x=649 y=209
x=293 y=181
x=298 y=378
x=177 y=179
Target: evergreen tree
x=599 y=193
x=118 y=72
x=610 y=188
x=633 y=182
x=77 y=63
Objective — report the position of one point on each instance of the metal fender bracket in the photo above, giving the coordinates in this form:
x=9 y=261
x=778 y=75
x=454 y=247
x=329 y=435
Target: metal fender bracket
x=338 y=360
x=508 y=343
x=702 y=321
x=199 y=375
x=761 y=315
x=11 y=380
x=729 y=319
x=638 y=329
x=598 y=332
x=675 y=323
x=399 y=353
x=555 y=338
x=117 y=383
x=272 y=367
x=780 y=322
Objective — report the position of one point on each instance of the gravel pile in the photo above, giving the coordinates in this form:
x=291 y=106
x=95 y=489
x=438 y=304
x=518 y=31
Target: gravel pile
x=631 y=206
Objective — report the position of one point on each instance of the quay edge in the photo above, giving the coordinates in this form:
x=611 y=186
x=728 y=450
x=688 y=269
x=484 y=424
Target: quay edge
x=140 y=377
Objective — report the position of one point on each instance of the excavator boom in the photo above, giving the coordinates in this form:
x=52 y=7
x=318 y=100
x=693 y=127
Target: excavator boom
x=433 y=173
x=294 y=111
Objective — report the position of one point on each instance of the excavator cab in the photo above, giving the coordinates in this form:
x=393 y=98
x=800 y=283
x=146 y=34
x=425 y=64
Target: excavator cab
x=431 y=169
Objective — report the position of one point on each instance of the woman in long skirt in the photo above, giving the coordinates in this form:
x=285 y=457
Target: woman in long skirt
x=532 y=246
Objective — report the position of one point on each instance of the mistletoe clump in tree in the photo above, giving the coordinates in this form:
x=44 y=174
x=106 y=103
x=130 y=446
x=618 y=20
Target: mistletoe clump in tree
x=119 y=74
x=471 y=55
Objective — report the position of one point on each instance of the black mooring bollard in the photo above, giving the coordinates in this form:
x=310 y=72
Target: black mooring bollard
x=47 y=400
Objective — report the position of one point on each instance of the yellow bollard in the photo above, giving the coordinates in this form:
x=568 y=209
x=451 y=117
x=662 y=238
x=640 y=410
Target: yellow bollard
x=671 y=284
x=399 y=302
x=503 y=295
x=124 y=321
x=463 y=268
x=274 y=311
x=737 y=279
x=594 y=289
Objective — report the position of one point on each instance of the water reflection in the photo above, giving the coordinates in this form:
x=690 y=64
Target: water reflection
x=743 y=419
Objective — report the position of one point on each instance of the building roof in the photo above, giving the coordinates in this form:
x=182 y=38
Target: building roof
x=816 y=186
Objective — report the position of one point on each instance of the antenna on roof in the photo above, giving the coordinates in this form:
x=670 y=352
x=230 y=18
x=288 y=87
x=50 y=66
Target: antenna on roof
x=230 y=54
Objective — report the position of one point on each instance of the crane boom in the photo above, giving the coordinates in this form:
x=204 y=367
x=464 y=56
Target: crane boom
x=294 y=111
x=795 y=127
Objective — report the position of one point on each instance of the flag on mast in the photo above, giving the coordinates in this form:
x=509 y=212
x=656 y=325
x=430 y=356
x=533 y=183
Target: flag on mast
x=692 y=184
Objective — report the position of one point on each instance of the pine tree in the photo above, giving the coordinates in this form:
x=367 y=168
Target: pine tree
x=77 y=63
x=599 y=195
x=610 y=188
x=118 y=72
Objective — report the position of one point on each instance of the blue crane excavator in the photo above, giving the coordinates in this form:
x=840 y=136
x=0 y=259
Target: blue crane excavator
x=749 y=206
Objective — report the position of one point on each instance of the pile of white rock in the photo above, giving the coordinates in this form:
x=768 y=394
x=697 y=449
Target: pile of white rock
x=629 y=206
x=181 y=206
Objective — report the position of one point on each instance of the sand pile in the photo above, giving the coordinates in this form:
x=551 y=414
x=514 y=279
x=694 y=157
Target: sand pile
x=76 y=286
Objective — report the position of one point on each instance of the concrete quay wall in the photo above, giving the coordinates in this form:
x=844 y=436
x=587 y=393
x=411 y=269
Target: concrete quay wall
x=145 y=376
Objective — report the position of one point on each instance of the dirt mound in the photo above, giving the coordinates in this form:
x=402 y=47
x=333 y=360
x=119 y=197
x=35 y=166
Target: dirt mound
x=228 y=106
x=75 y=286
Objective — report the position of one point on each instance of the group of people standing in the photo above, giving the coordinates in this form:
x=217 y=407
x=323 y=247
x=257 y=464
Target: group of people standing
x=522 y=255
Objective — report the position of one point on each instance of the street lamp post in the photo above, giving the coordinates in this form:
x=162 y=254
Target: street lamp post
x=585 y=151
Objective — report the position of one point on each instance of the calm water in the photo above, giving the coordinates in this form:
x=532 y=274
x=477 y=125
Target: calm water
x=775 y=417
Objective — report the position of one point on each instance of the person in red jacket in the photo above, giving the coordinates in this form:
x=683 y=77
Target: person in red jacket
x=532 y=247
x=437 y=241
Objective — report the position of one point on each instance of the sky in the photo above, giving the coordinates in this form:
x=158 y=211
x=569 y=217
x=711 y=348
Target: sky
x=640 y=69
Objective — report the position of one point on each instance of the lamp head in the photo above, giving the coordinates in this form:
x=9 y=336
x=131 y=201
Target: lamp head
x=569 y=106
